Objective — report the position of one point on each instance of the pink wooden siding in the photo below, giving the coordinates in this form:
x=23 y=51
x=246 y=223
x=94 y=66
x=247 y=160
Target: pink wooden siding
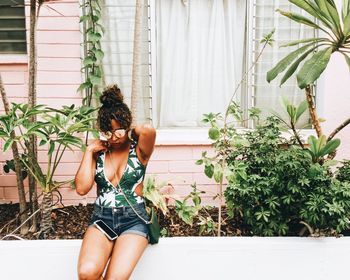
x=59 y=53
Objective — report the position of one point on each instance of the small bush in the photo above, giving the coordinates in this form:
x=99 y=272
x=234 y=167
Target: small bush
x=274 y=185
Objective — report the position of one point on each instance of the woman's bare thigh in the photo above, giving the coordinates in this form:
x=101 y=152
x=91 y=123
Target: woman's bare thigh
x=126 y=253
x=94 y=252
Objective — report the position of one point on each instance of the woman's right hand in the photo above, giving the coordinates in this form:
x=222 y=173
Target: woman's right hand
x=97 y=146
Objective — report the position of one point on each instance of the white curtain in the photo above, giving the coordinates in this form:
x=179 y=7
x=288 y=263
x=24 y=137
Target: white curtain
x=268 y=96
x=200 y=46
x=117 y=43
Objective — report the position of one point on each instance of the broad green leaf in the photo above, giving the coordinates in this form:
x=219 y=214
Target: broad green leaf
x=313 y=68
x=209 y=170
x=299 y=18
x=3 y=133
x=297 y=42
x=295 y=66
x=301 y=109
x=84 y=18
x=89 y=60
x=52 y=147
x=84 y=86
x=345 y=9
x=99 y=54
x=95 y=80
x=218 y=173
x=283 y=64
x=306 y=7
x=330 y=147
x=347 y=25
x=312 y=140
x=332 y=11
x=214 y=133
x=8 y=144
x=315 y=11
x=321 y=142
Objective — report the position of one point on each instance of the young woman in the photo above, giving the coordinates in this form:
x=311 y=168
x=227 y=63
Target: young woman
x=118 y=166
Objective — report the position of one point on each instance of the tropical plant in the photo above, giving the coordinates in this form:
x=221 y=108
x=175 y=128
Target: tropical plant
x=275 y=185
x=93 y=53
x=17 y=167
x=56 y=128
x=216 y=167
x=334 y=30
x=152 y=192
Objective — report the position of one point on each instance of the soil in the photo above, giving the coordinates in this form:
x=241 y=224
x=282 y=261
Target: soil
x=70 y=222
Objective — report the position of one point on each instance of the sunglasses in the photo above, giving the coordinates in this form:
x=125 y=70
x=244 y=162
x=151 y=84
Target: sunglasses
x=119 y=133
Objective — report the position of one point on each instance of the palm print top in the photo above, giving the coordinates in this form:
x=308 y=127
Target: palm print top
x=134 y=173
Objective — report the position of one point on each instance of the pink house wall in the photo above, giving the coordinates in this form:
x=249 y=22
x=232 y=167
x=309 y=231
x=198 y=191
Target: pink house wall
x=59 y=76
x=59 y=63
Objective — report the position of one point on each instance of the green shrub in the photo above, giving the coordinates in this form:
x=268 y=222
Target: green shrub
x=273 y=185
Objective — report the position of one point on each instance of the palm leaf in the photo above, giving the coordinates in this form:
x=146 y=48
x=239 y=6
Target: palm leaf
x=309 y=8
x=301 y=109
x=330 y=147
x=283 y=64
x=299 y=18
x=297 y=42
x=314 y=67
x=294 y=66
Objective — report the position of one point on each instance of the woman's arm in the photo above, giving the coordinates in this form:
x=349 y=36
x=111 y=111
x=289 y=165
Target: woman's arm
x=84 y=179
x=146 y=137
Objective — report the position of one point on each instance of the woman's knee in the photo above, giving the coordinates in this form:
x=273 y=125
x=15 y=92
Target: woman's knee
x=89 y=271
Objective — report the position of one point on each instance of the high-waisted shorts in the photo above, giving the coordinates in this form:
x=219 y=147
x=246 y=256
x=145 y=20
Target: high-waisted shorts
x=122 y=219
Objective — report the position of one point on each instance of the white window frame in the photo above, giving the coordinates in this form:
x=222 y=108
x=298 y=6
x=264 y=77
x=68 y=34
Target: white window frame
x=191 y=136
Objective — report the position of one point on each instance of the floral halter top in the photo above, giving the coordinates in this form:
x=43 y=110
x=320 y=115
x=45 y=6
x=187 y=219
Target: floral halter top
x=133 y=175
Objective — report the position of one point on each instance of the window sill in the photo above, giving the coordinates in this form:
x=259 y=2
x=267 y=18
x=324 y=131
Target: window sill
x=199 y=136
x=13 y=59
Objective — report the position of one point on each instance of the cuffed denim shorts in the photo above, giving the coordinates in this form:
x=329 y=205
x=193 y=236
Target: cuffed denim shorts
x=122 y=219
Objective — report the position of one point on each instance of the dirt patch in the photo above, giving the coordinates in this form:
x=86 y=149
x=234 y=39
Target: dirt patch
x=70 y=222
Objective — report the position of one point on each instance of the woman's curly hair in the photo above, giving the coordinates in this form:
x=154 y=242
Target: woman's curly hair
x=113 y=107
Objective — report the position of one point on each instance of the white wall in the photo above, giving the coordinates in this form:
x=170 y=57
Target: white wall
x=193 y=258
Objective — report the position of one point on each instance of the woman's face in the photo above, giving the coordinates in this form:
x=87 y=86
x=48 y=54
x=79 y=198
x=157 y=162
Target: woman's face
x=118 y=134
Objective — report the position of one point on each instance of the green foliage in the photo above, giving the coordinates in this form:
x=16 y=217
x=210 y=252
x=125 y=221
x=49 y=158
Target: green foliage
x=92 y=62
x=59 y=129
x=10 y=165
x=318 y=148
x=151 y=191
x=190 y=207
x=317 y=51
x=188 y=212
x=275 y=184
x=343 y=172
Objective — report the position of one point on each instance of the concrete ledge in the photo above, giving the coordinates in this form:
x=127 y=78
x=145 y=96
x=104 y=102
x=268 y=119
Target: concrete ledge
x=201 y=258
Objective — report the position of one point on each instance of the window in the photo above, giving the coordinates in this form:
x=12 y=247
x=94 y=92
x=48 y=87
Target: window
x=117 y=43
x=12 y=27
x=263 y=19
x=195 y=53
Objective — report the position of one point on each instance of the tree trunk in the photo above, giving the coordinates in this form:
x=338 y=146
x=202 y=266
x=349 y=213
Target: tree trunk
x=46 y=209
x=136 y=67
x=32 y=147
x=312 y=110
x=18 y=167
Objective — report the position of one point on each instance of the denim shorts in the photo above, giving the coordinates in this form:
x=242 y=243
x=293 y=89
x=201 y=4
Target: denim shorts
x=122 y=219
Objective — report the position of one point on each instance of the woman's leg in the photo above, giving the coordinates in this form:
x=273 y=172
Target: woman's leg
x=94 y=253
x=126 y=253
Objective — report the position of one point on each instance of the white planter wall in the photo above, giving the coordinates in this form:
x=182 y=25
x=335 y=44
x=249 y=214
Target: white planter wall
x=202 y=258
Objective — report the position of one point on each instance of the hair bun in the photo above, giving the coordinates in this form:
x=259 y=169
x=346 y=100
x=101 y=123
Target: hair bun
x=112 y=96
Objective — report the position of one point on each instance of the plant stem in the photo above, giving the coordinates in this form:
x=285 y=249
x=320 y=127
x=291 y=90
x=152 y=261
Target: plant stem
x=312 y=110
x=340 y=127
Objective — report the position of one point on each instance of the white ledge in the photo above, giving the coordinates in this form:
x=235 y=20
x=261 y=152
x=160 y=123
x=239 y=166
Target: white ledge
x=198 y=258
